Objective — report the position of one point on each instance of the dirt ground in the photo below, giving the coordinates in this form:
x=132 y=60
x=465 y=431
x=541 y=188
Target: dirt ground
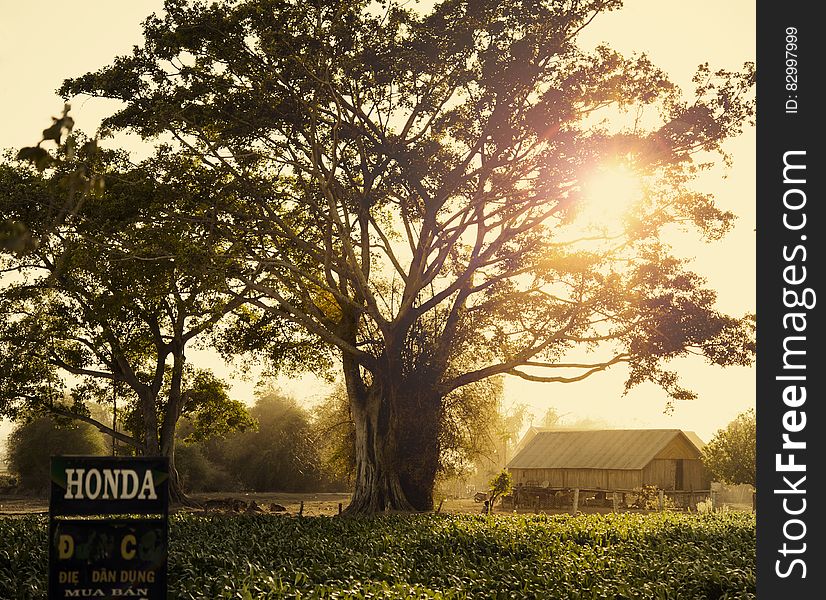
x=314 y=504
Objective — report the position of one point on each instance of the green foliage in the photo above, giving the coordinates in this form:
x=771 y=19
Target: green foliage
x=618 y=556
x=281 y=455
x=732 y=452
x=112 y=290
x=334 y=432
x=647 y=497
x=210 y=410
x=501 y=485
x=73 y=173
x=31 y=444
x=198 y=473
x=470 y=426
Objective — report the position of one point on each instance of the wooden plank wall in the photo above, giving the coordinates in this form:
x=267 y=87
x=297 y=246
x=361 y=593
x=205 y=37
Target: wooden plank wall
x=695 y=475
x=662 y=473
x=659 y=472
x=605 y=479
x=679 y=447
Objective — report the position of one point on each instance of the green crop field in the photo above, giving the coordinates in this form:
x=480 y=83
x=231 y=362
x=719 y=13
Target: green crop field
x=613 y=556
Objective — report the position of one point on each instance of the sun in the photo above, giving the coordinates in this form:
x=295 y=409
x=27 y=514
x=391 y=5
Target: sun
x=608 y=195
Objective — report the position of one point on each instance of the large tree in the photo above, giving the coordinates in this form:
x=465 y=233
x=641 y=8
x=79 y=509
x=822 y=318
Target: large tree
x=415 y=187
x=103 y=303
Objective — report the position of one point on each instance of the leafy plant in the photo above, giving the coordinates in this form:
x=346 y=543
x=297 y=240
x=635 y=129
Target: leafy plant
x=500 y=485
x=618 y=556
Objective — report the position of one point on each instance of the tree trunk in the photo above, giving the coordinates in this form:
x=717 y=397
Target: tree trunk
x=378 y=485
x=150 y=424
x=172 y=414
x=418 y=416
x=397 y=451
x=176 y=490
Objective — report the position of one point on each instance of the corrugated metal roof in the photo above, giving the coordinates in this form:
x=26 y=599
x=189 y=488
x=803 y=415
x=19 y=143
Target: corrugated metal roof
x=596 y=449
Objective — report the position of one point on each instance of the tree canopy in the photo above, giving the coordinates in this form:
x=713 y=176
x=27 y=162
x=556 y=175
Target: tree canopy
x=32 y=444
x=115 y=285
x=731 y=455
x=411 y=187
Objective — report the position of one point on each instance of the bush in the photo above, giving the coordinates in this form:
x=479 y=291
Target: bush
x=31 y=444
x=198 y=473
x=281 y=456
x=647 y=497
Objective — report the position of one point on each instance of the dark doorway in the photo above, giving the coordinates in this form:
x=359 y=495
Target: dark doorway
x=678 y=476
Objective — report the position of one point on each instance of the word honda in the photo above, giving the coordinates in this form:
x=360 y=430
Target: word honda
x=106 y=484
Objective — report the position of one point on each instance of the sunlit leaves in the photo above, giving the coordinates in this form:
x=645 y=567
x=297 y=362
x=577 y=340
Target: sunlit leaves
x=732 y=452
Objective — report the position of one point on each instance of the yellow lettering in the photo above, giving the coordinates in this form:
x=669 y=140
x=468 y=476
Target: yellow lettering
x=65 y=547
x=67 y=576
x=127 y=547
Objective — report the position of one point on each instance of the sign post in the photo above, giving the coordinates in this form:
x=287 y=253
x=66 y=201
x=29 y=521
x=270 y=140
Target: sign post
x=108 y=527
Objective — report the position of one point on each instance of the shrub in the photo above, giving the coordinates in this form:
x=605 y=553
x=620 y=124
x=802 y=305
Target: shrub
x=31 y=444
x=280 y=456
x=198 y=473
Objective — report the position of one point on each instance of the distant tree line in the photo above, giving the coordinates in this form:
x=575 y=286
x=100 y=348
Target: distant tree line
x=287 y=448
x=283 y=445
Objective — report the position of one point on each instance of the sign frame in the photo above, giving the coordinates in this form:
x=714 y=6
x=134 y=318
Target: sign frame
x=108 y=527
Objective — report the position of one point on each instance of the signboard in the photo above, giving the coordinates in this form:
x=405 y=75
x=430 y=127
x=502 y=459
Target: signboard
x=108 y=529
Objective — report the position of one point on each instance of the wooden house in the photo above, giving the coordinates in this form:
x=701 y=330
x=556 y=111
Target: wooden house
x=611 y=459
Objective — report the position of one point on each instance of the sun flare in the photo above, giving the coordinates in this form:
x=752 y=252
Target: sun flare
x=608 y=195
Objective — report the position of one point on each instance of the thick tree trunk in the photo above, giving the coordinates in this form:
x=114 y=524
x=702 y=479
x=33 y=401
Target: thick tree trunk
x=174 y=408
x=378 y=485
x=397 y=450
x=418 y=416
x=151 y=439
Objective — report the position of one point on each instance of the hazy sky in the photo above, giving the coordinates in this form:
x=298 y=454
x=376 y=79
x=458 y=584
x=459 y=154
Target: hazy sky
x=42 y=43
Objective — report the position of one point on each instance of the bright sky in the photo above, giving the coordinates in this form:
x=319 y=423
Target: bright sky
x=44 y=42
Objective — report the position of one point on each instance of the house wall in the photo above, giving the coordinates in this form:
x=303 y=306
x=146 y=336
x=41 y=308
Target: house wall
x=605 y=479
x=679 y=447
x=660 y=472
x=696 y=476
x=663 y=473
